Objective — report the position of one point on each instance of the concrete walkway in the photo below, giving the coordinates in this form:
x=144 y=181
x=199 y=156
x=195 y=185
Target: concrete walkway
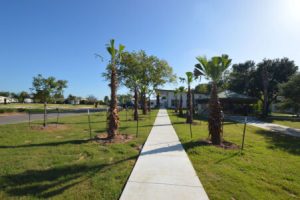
x=267 y=126
x=163 y=170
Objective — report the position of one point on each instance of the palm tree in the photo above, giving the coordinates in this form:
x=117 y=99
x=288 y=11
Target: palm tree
x=176 y=99
x=189 y=80
x=181 y=90
x=214 y=69
x=116 y=55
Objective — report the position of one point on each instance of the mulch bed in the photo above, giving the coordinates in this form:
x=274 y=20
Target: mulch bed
x=119 y=138
x=224 y=145
x=49 y=127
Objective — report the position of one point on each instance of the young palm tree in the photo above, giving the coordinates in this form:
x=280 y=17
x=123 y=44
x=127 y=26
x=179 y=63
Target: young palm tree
x=112 y=69
x=189 y=80
x=214 y=69
x=181 y=90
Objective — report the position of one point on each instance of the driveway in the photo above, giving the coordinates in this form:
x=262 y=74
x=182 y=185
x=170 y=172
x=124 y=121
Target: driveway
x=265 y=125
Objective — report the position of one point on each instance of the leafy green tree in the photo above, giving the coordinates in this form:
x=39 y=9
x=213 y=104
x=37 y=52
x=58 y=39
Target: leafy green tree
x=291 y=92
x=106 y=100
x=22 y=96
x=4 y=93
x=45 y=89
x=214 y=69
x=268 y=76
x=242 y=78
x=145 y=73
x=111 y=74
x=203 y=88
x=124 y=99
x=131 y=72
x=91 y=99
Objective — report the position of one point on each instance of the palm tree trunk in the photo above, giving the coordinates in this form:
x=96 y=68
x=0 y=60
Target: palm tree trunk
x=113 y=114
x=189 y=104
x=136 y=97
x=144 y=99
x=180 y=106
x=176 y=104
x=215 y=118
x=157 y=101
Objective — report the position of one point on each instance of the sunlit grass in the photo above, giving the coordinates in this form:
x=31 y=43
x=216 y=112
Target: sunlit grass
x=268 y=168
x=63 y=164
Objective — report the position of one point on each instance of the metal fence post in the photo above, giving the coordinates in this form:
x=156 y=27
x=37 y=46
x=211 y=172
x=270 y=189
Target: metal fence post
x=89 y=123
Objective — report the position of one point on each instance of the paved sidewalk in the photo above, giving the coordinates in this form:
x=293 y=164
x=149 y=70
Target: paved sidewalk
x=163 y=170
x=268 y=126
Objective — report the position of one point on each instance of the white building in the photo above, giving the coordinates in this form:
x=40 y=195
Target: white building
x=28 y=100
x=168 y=98
x=8 y=100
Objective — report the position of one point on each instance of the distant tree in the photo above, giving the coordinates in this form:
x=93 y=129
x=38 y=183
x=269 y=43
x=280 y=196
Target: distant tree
x=91 y=99
x=268 y=76
x=106 y=100
x=22 y=96
x=4 y=93
x=124 y=99
x=214 y=69
x=111 y=74
x=203 y=88
x=14 y=95
x=291 y=92
x=242 y=78
x=45 y=89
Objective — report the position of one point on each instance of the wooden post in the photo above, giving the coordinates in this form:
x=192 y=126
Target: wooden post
x=90 y=123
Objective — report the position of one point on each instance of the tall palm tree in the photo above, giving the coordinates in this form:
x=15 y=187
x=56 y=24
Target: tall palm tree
x=116 y=55
x=181 y=91
x=214 y=69
x=189 y=80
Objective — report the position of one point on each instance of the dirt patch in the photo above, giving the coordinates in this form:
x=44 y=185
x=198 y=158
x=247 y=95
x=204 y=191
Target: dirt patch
x=224 y=145
x=119 y=138
x=50 y=127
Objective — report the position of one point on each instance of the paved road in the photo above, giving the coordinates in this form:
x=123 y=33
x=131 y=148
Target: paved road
x=268 y=126
x=163 y=170
x=23 y=117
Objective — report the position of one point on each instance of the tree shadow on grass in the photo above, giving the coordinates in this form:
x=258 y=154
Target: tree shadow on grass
x=284 y=142
x=48 y=144
x=193 y=144
x=51 y=182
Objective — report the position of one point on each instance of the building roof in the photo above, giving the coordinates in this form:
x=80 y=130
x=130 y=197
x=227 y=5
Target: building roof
x=229 y=96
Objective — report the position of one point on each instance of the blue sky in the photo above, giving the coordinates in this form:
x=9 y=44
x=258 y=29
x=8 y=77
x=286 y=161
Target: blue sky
x=60 y=37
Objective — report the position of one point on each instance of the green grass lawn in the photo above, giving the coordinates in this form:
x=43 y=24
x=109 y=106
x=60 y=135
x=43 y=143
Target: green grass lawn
x=269 y=167
x=38 y=107
x=63 y=164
